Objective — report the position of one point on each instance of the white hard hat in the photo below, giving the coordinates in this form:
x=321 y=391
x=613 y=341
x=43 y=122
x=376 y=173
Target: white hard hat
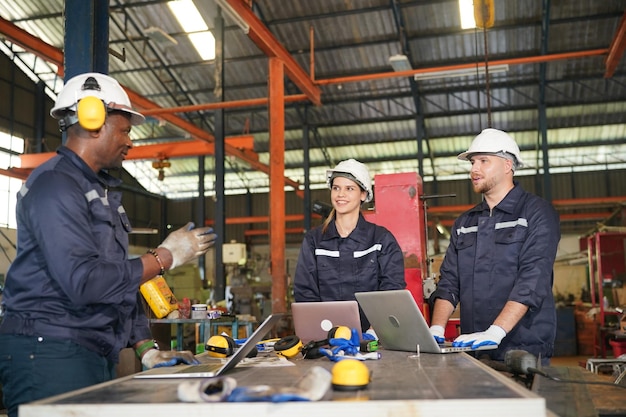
x=94 y=84
x=354 y=170
x=493 y=141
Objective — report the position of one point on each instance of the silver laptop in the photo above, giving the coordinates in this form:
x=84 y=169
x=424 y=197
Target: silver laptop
x=215 y=367
x=400 y=324
x=313 y=320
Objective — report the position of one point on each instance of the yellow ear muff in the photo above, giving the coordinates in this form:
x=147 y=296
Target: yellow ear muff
x=340 y=332
x=219 y=346
x=288 y=346
x=91 y=113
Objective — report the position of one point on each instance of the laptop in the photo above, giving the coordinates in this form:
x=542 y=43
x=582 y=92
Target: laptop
x=313 y=320
x=214 y=367
x=400 y=324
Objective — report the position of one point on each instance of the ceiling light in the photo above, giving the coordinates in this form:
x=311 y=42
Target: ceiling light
x=194 y=25
x=234 y=15
x=466 y=9
x=188 y=15
x=400 y=63
x=204 y=42
x=464 y=72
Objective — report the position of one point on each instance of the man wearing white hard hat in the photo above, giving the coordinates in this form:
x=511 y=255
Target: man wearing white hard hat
x=71 y=298
x=347 y=254
x=499 y=264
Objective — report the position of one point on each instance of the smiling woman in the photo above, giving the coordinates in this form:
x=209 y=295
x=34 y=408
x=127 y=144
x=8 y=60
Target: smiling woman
x=347 y=254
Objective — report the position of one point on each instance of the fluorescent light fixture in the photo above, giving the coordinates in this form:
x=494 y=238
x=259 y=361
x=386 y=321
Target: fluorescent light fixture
x=465 y=72
x=234 y=15
x=159 y=35
x=194 y=25
x=187 y=15
x=466 y=9
x=204 y=42
x=400 y=63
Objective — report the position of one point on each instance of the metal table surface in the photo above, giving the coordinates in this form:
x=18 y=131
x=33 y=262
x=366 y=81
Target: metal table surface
x=400 y=386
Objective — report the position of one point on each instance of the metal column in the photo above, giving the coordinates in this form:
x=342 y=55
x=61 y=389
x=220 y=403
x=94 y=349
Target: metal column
x=277 y=187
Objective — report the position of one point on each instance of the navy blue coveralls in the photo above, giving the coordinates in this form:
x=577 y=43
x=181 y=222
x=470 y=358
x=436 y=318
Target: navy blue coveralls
x=71 y=278
x=332 y=268
x=505 y=254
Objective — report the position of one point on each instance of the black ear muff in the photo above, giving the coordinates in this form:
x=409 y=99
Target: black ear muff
x=312 y=349
x=340 y=332
x=220 y=346
x=288 y=346
x=91 y=113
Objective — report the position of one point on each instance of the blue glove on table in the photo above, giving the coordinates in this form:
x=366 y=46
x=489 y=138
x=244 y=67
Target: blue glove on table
x=492 y=336
x=349 y=347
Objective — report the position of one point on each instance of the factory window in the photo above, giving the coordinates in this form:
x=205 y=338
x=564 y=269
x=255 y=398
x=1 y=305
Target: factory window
x=10 y=149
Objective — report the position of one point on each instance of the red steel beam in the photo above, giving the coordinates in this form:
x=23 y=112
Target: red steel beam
x=276 y=88
x=221 y=105
x=616 y=49
x=265 y=232
x=266 y=42
x=593 y=201
x=13 y=172
x=257 y=219
x=157 y=151
x=32 y=44
x=508 y=61
x=563 y=203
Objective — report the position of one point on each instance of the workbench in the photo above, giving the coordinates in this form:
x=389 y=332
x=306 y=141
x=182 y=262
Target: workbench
x=579 y=399
x=455 y=384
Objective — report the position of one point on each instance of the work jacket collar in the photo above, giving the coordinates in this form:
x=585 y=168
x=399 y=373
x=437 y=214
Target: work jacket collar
x=102 y=177
x=359 y=233
x=508 y=203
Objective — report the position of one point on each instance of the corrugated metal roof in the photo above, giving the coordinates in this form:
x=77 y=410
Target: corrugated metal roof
x=379 y=121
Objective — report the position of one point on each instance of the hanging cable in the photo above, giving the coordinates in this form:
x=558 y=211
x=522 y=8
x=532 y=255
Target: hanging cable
x=484 y=15
x=480 y=119
x=487 y=90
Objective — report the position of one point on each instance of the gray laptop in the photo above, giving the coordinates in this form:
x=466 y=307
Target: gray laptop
x=313 y=320
x=400 y=324
x=216 y=367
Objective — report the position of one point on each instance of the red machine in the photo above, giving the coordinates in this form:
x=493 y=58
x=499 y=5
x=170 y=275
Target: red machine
x=606 y=252
x=400 y=209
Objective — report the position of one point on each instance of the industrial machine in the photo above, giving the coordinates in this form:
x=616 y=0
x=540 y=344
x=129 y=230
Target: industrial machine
x=399 y=208
x=246 y=293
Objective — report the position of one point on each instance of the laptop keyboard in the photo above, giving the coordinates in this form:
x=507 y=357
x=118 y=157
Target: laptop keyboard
x=204 y=367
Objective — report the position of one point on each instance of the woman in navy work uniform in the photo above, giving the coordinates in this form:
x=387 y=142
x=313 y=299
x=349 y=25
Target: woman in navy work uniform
x=347 y=254
x=499 y=264
x=71 y=298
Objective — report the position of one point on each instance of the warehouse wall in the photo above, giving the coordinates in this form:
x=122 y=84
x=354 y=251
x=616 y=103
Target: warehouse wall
x=17 y=107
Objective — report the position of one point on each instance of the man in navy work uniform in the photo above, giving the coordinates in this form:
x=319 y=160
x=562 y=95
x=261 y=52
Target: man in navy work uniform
x=499 y=264
x=348 y=254
x=71 y=299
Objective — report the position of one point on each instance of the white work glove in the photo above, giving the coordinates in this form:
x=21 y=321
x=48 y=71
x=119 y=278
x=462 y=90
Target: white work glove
x=370 y=334
x=159 y=358
x=438 y=333
x=188 y=243
x=492 y=336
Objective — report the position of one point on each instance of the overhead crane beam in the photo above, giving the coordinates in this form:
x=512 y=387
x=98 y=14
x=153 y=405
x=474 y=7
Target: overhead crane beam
x=507 y=61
